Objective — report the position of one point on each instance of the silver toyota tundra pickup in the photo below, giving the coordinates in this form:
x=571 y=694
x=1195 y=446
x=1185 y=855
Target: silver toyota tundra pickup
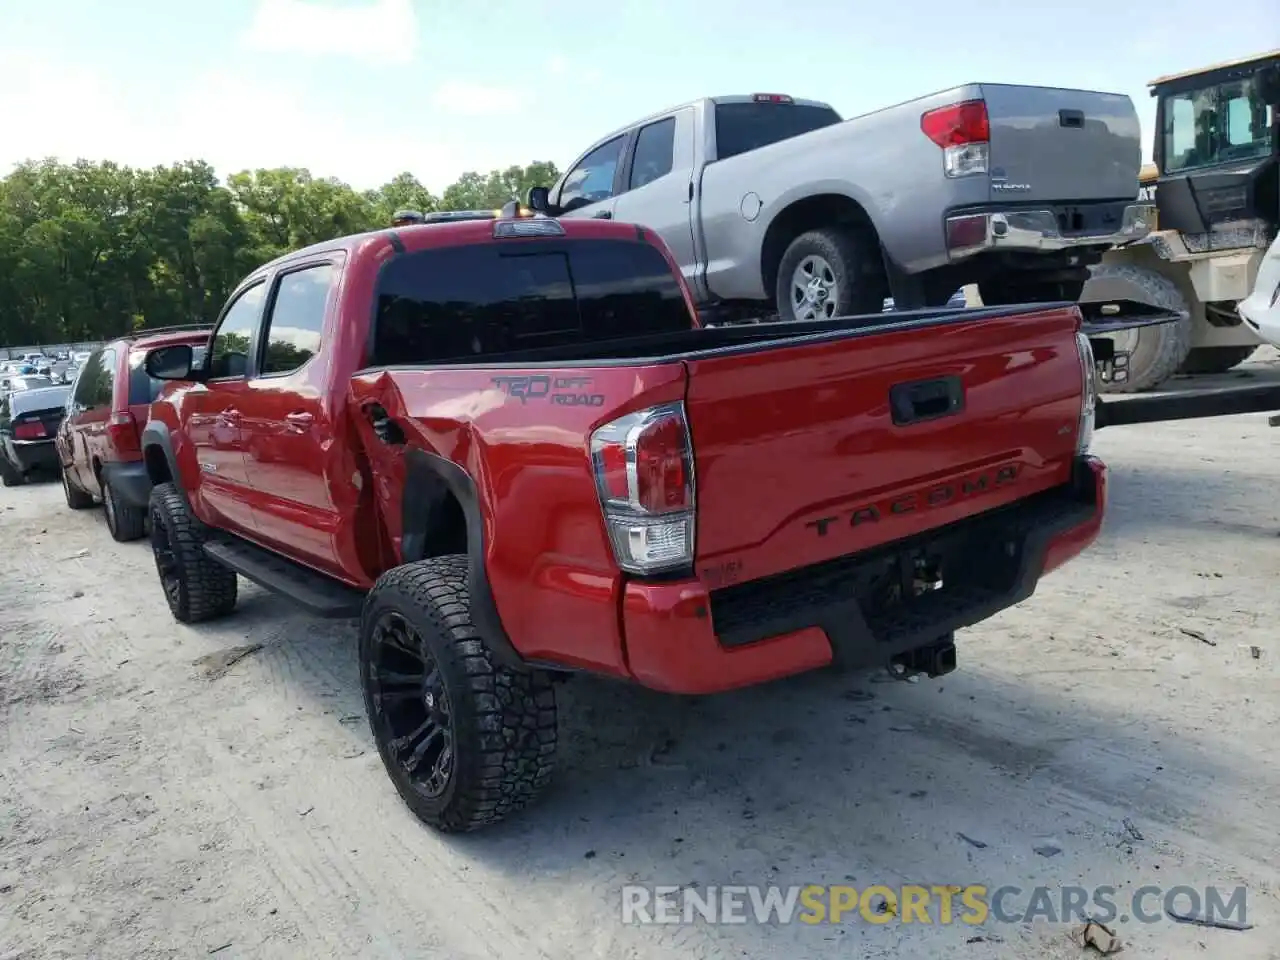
x=773 y=203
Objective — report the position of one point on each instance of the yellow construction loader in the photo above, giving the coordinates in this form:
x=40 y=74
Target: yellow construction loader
x=1216 y=186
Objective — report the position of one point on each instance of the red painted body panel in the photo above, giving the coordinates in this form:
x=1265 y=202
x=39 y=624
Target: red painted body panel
x=672 y=645
x=783 y=436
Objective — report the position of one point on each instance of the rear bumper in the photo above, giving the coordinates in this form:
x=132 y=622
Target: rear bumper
x=31 y=455
x=682 y=638
x=129 y=481
x=1045 y=230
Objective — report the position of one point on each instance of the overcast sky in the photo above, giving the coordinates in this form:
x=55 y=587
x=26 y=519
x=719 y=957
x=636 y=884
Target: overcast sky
x=363 y=89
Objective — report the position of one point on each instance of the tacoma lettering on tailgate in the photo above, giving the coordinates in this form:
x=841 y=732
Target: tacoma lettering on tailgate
x=921 y=500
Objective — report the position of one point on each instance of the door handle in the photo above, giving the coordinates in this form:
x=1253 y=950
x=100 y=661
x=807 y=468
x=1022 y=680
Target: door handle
x=300 y=420
x=603 y=215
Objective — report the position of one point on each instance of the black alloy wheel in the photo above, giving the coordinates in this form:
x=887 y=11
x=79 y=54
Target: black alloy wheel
x=410 y=706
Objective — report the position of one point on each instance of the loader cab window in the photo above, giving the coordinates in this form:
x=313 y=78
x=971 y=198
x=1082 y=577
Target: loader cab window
x=1225 y=123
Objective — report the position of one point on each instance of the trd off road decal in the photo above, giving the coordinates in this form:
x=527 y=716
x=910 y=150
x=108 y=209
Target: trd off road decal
x=561 y=391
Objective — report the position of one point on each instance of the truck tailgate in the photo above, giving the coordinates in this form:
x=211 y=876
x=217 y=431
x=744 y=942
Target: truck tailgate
x=798 y=457
x=1061 y=145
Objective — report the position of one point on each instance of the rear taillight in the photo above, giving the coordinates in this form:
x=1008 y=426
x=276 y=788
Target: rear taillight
x=963 y=131
x=122 y=431
x=1089 y=398
x=643 y=466
x=33 y=430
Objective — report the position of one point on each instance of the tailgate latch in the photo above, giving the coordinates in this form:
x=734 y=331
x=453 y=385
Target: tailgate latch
x=922 y=400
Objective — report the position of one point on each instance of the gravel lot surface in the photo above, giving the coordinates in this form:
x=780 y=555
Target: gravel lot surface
x=158 y=799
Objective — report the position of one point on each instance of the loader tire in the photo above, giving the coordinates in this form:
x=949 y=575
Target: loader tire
x=1215 y=359
x=1155 y=352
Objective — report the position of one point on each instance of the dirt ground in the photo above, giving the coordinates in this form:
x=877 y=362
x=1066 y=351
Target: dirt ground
x=158 y=800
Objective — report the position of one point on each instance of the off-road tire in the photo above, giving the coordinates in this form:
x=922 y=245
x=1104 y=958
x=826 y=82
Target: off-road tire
x=9 y=476
x=126 y=522
x=1161 y=349
x=503 y=720
x=1203 y=360
x=205 y=588
x=76 y=498
x=855 y=259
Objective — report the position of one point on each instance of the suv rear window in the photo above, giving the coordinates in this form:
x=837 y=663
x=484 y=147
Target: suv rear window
x=142 y=388
x=462 y=304
x=749 y=125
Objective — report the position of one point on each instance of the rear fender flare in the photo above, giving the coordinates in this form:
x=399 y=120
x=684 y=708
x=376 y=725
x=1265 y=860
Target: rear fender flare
x=429 y=481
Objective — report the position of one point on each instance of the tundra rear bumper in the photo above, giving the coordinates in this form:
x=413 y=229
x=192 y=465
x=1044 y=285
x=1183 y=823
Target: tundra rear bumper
x=1047 y=230
x=683 y=638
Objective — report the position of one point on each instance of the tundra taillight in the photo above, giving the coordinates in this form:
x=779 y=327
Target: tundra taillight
x=1089 y=399
x=963 y=131
x=32 y=430
x=122 y=431
x=643 y=466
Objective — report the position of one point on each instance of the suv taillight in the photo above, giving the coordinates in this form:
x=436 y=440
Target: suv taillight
x=643 y=466
x=122 y=431
x=1089 y=400
x=963 y=131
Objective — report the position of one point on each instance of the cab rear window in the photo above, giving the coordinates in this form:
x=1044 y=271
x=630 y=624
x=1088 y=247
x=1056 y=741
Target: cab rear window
x=462 y=304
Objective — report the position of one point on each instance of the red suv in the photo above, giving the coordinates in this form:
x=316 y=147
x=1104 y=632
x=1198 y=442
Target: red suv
x=98 y=443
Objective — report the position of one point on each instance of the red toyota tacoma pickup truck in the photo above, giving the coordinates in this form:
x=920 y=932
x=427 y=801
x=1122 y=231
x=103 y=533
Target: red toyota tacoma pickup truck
x=506 y=447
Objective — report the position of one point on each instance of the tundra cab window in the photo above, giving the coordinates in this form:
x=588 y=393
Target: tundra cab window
x=461 y=304
x=655 y=152
x=229 y=352
x=748 y=126
x=297 y=317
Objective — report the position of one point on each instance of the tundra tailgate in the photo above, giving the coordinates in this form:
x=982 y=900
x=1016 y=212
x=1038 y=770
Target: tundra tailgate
x=800 y=456
x=1061 y=146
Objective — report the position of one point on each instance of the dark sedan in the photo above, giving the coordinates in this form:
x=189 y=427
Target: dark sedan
x=29 y=421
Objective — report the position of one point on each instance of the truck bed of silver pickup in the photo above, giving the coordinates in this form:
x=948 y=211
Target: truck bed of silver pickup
x=769 y=200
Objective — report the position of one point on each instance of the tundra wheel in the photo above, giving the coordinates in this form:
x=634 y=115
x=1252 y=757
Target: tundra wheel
x=77 y=499
x=832 y=272
x=195 y=587
x=465 y=740
x=125 y=522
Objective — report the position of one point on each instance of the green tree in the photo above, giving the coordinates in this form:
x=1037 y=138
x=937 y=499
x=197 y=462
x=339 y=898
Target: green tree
x=90 y=250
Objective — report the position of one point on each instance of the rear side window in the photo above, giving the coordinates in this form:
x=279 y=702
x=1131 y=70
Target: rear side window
x=655 y=152
x=87 y=381
x=104 y=390
x=297 y=317
x=749 y=125
x=462 y=304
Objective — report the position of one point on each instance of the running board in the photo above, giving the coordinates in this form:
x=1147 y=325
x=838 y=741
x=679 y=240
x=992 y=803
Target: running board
x=1215 y=403
x=313 y=591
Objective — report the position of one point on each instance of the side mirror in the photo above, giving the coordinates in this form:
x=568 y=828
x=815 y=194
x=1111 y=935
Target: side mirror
x=539 y=200
x=170 y=363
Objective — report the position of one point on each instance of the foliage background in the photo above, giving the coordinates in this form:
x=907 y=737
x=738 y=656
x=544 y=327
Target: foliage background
x=91 y=250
